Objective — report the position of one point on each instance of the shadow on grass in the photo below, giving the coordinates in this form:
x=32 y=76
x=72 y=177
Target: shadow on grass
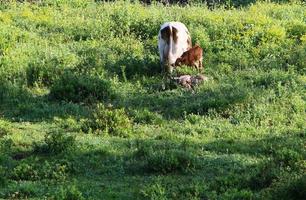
x=118 y=163
x=177 y=103
x=18 y=104
x=265 y=146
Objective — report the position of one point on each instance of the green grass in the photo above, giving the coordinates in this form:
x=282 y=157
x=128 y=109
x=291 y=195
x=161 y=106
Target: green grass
x=85 y=112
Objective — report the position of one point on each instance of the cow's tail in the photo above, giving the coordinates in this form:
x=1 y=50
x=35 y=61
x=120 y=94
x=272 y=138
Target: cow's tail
x=169 y=53
x=169 y=34
x=172 y=40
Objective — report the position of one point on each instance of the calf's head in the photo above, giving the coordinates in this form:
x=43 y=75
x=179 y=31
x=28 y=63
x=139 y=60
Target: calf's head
x=180 y=61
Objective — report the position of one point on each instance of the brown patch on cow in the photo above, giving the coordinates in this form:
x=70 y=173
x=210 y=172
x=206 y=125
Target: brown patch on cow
x=174 y=35
x=189 y=43
x=165 y=34
x=193 y=57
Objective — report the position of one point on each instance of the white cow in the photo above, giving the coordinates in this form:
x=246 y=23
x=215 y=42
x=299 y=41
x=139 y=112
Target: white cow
x=173 y=40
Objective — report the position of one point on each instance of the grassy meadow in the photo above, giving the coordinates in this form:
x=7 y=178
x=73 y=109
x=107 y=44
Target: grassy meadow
x=86 y=114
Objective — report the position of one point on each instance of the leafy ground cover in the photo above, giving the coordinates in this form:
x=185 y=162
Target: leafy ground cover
x=84 y=114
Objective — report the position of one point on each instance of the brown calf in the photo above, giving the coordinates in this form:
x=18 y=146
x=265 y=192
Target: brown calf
x=193 y=57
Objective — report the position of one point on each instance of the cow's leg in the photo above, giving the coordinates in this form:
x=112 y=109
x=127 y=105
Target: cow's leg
x=162 y=67
x=161 y=48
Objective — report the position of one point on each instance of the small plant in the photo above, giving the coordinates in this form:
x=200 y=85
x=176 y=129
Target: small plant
x=167 y=161
x=5 y=150
x=22 y=192
x=57 y=171
x=3 y=177
x=109 y=121
x=222 y=183
x=297 y=30
x=40 y=171
x=160 y=190
x=4 y=127
x=80 y=88
x=183 y=70
x=154 y=192
x=297 y=190
x=25 y=171
x=266 y=173
x=238 y=194
x=290 y=188
x=69 y=123
x=147 y=117
x=166 y=157
x=287 y=157
x=69 y=193
x=5 y=160
x=56 y=143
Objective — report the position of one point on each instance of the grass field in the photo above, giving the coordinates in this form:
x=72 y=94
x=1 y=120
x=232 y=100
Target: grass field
x=84 y=114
